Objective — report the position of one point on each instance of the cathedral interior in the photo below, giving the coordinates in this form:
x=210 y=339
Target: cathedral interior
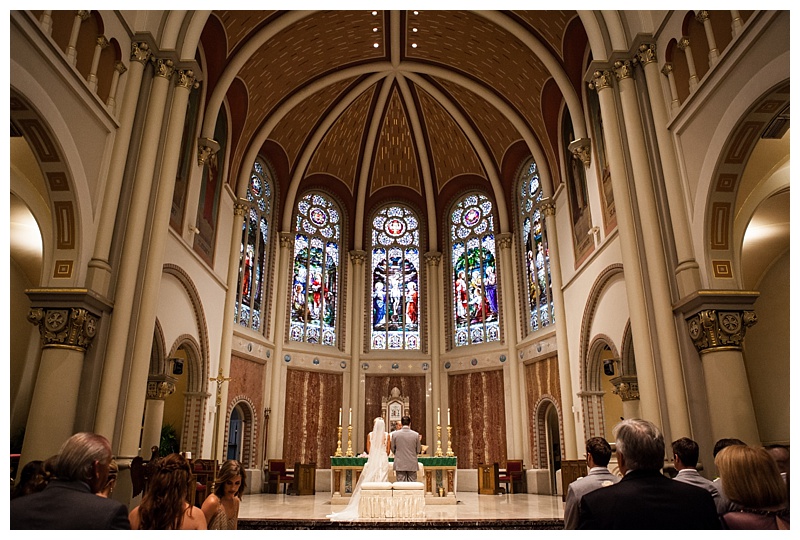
x=245 y=233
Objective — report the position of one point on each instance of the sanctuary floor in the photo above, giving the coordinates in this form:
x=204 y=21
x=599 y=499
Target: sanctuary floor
x=518 y=511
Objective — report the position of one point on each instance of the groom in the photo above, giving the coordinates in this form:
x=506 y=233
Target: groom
x=406 y=446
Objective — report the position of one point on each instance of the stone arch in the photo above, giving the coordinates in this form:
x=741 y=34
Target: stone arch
x=539 y=458
x=602 y=281
x=249 y=432
x=196 y=396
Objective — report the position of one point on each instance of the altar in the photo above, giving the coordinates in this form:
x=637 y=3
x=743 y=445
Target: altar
x=440 y=478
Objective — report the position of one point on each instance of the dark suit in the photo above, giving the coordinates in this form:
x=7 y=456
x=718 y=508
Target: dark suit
x=67 y=505
x=648 y=500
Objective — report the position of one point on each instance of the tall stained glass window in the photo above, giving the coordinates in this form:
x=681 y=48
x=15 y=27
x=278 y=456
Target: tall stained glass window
x=395 y=280
x=254 y=248
x=315 y=275
x=475 y=308
x=536 y=257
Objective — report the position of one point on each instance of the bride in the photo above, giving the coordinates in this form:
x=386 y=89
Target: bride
x=376 y=469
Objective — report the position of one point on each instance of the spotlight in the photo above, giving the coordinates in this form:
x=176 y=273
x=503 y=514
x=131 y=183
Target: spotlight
x=608 y=367
x=177 y=366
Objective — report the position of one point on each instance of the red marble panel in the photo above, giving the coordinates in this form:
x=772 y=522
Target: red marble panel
x=478 y=417
x=411 y=386
x=311 y=417
x=541 y=383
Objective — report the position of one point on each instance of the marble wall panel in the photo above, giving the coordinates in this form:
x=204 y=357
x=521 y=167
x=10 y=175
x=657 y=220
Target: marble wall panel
x=541 y=387
x=478 y=417
x=312 y=415
x=377 y=387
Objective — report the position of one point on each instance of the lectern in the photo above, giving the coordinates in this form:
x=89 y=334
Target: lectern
x=488 y=479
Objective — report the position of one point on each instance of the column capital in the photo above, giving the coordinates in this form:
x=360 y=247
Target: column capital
x=683 y=43
x=205 y=149
x=160 y=386
x=165 y=67
x=623 y=69
x=582 y=149
x=667 y=69
x=140 y=52
x=120 y=68
x=600 y=80
x=240 y=208
x=186 y=79
x=102 y=42
x=714 y=330
x=701 y=16
x=503 y=240
x=84 y=14
x=357 y=257
x=548 y=207
x=647 y=53
x=626 y=387
x=286 y=239
x=65 y=328
x=433 y=258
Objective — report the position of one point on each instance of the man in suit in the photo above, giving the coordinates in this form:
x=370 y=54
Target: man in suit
x=406 y=446
x=598 y=454
x=644 y=498
x=686 y=453
x=69 y=501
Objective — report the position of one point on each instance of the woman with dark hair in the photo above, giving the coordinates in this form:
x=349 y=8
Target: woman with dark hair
x=751 y=479
x=164 y=505
x=221 y=508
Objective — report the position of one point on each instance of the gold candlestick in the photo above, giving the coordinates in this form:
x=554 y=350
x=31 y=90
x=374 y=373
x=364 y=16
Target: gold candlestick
x=439 y=441
x=339 y=444
x=449 y=442
x=349 y=452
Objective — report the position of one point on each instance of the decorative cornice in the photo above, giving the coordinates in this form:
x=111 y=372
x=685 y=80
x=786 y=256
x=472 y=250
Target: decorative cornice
x=286 y=239
x=600 y=80
x=623 y=69
x=357 y=257
x=186 y=79
x=140 y=52
x=626 y=387
x=503 y=240
x=647 y=53
x=582 y=149
x=205 y=149
x=432 y=258
x=66 y=328
x=713 y=330
x=164 y=67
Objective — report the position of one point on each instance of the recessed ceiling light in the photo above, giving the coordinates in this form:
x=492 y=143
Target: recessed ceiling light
x=413 y=29
x=376 y=45
x=374 y=12
x=414 y=45
x=375 y=29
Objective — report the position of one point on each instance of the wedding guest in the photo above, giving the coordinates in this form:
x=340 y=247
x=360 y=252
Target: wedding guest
x=221 y=508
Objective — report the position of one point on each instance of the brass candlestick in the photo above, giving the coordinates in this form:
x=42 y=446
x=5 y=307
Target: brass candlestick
x=439 y=441
x=349 y=452
x=339 y=444
x=449 y=442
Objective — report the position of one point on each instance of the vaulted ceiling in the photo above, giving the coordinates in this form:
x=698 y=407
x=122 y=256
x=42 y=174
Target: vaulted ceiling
x=394 y=105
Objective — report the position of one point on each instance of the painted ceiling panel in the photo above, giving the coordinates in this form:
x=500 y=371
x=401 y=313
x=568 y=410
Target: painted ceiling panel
x=548 y=24
x=395 y=157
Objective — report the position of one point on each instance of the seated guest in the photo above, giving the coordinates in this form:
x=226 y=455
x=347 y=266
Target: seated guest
x=644 y=498
x=751 y=479
x=686 y=453
x=164 y=505
x=69 y=500
x=780 y=453
x=31 y=479
x=221 y=508
x=598 y=454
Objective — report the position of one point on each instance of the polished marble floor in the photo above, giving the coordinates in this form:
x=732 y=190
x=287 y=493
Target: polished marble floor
x=470 y=507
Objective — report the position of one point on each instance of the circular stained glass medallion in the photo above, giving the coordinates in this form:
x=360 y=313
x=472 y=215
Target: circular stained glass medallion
x=472 y=216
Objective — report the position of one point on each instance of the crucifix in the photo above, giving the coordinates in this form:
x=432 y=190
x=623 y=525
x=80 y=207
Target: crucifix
x=219 y=379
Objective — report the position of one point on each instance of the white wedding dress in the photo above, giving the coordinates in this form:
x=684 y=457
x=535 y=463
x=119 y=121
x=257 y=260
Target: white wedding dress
x=376 y=469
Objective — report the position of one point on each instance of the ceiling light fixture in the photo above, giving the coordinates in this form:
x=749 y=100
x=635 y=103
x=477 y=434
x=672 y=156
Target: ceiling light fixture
x=376 y=45
x=413 y=29
x=374 y=12
x=375 y=29
x=414 y=45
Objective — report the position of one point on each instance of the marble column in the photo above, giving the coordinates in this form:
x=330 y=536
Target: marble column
x=626 y=225
x=717 y=322
x=568 y=410
x=713 y=53
x=434 y=304
x=683 y=44
x=677 y=422
x=111 y=102
x=674 y=101
x=68 y=320
x=102 y=43
x=158 y=388
x=72 y=52
x=111 y=392
x=99 y=273
x=687 y=273
x=627 y=388
x=359 y=307
x=516 y=427
x=277 y=399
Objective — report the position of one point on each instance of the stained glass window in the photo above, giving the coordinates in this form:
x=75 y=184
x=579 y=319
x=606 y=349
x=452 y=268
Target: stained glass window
x=395 y=280
x=475 y=307
x=254 y=248
x=315 y=274
x=536 y=258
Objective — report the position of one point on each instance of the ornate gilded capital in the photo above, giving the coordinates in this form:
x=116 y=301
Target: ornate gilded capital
x=160 y=389
x=582 y=149
x=623 y=69
x=286 y=239
x=102 y=42
x=140 y=52
x=548 y=207
x=701 y=16
x=206 y=148
x=712 y=329
x=432 y=258
x=240 y=208
x=626 y=387
x=683 y=43
x=358 y=257
x=83 y=14
x=503 y=240
x=600 y=80
x=647 y=53
x=165 y=67
x=667 y=69
x=120 y=68
x=67 y=328
x=186 y=79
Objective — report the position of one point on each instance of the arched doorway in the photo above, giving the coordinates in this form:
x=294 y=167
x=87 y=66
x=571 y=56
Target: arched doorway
x=235 y=434
x=553 y=441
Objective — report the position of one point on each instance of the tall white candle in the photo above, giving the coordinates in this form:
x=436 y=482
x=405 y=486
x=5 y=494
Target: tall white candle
x=350 y=423
x=438 y=415
x=340 y=416
x=448 y=416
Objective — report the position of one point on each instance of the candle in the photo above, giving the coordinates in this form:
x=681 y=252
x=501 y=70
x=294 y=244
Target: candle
x=448 y=416
x=340 y=416
x=350 y=423
x=188 y=455
x=438 y=415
